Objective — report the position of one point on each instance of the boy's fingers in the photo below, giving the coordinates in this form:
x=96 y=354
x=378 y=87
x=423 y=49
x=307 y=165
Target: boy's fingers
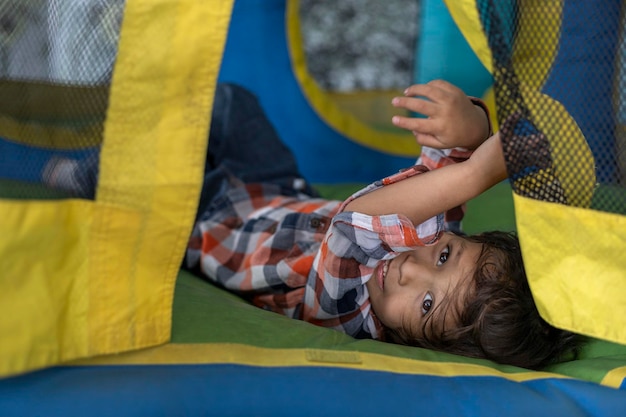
x=428 y=140
x=432 y=91
x=411 y=123
x=441 y=84
x=444 y=86
x=416 y=105
x=408 y=123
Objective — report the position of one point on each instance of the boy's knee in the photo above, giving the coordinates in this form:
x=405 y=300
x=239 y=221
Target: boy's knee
x=227 y=93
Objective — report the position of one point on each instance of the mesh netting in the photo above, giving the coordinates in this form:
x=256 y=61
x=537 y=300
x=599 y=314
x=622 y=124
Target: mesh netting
x=559 y=83
x=56 y=62
x=558 y=70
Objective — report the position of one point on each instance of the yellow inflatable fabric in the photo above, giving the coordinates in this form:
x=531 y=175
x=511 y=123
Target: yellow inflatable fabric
x=84 y=278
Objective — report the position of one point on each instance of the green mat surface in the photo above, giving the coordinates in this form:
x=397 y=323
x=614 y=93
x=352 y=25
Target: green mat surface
x=204 y=313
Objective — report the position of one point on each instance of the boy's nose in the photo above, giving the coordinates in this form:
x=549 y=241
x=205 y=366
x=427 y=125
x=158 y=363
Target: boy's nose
x=412 y=270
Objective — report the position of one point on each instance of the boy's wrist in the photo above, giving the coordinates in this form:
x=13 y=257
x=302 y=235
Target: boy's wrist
x=488 y=162
x=483 y=114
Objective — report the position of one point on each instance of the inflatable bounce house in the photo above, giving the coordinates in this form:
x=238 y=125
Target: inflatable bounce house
x=98 y=318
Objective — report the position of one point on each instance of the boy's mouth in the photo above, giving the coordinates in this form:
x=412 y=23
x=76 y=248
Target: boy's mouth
x=382 y=273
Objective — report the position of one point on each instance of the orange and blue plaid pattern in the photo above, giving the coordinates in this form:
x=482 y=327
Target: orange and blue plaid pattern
x=305 y=257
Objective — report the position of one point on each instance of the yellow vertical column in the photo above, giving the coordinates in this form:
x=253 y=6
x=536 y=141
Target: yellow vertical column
x=84 y=278
x=572 y=254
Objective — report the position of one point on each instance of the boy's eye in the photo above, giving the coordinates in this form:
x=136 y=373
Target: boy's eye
x=443 y=256
x=427 y=303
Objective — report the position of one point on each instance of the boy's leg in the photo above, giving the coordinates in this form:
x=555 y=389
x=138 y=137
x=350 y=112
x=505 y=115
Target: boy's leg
x=243 y=142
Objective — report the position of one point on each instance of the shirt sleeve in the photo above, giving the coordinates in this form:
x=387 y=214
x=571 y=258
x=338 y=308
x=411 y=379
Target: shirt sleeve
x=336 y=295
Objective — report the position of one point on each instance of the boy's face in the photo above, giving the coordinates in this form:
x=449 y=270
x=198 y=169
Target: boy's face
x=409 y=288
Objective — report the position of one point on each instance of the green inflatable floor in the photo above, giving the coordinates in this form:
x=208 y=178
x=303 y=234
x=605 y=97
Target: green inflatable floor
x=204 y=313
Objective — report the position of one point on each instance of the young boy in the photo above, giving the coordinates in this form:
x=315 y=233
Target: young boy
x=379 y=265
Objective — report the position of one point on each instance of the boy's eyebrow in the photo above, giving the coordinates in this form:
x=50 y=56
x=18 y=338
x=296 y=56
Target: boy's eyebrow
x=461 y=248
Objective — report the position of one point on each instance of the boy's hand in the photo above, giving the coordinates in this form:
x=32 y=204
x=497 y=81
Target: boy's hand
x=452 y=119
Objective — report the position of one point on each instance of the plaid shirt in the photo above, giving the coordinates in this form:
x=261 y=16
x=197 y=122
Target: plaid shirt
x=305 y=257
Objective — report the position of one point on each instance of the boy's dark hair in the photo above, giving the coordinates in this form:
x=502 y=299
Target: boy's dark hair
x=498 y=319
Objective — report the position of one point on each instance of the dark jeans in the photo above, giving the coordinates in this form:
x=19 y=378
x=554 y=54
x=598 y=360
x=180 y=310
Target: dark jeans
x=243 y=143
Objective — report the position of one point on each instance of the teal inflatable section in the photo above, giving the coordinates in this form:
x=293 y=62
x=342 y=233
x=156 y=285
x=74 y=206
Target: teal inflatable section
x=442 y=52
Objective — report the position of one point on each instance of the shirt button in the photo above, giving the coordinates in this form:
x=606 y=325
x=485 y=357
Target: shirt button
x=317 y=223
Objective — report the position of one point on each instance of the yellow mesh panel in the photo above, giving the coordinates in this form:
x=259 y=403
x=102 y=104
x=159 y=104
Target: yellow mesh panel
x=131 y=85
x=558 y=70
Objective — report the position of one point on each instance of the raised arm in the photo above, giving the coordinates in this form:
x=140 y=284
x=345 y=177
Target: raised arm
x=452 y=121
x=423 y=196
